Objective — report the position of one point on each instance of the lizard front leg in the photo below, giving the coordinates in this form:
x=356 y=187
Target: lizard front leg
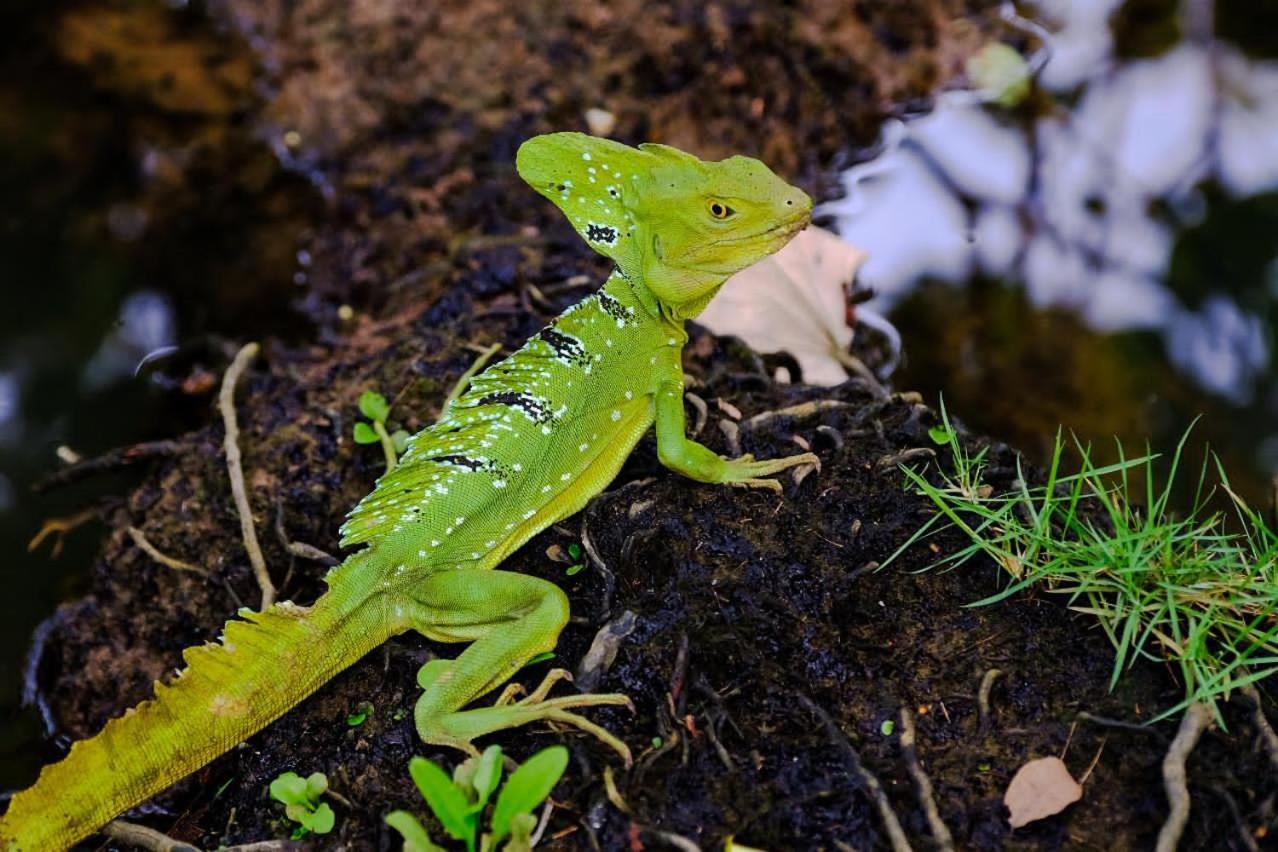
x=703 y=464
x=509 y=618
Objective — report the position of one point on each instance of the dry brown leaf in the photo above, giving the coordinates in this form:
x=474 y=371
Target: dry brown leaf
x=793 y=301
x=1039 y=789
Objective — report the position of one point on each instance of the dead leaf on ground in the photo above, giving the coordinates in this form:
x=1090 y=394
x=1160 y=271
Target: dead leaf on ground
x=794 y=301
x=1040 y=788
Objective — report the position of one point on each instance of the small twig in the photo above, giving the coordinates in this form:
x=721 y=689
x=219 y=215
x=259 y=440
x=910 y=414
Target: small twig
x=1087 y=773
x=896 y=834
x=485 y=355
x=59 y=527
x=541 y=825
x=923 y=784
x=32 y=696
x=1196 y=720
x=300 y=549
x=703 y=412
x=609 y=578
x=108 y=461
x=146 y=838
x=1121 y=724
x=1267 y=735
x=614 y=795
x=732 y=432
x=891 y=461
x=1244 y=833
x=144 y=544
x=796 y=412
x=857 y=367
x=983 y=696
x=235 y=470
x=678 y=841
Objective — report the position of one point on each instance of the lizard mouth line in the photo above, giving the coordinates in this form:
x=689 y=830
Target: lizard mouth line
x=785 y=229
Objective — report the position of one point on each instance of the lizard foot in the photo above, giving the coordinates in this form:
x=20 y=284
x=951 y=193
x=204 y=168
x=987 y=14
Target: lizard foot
x=745 y=472
x=457 y=729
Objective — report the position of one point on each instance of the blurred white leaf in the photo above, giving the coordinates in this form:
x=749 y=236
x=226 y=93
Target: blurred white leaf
x=1039 y=789
x=794 y=301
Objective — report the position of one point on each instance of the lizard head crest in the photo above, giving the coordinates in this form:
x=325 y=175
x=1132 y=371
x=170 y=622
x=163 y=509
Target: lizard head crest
x=681 y=225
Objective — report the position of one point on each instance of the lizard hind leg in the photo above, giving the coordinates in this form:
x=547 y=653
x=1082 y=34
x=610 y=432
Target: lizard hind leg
x=509 y=619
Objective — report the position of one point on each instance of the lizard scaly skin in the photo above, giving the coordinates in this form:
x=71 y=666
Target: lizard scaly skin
x=531 y=440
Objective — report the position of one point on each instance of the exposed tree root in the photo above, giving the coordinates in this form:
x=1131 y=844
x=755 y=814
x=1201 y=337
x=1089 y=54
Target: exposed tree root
x=1196 y=720
x=896 y=834
x=1267 y=735
x=144 y=544
x=923 y=784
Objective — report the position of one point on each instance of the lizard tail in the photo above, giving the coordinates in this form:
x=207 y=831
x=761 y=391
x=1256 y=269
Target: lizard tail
x=264 y=665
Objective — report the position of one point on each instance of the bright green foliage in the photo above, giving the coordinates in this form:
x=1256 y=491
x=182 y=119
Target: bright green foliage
x=375 y=407
x=1199 y=591
x=301 y=799
x=886 y=727
x=459 y=802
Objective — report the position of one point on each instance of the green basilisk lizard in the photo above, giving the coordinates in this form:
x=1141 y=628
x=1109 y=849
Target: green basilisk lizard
x=531 y=440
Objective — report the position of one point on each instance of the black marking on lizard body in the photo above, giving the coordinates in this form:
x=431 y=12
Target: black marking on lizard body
x=615 y=309
x=601 y=233
x=566 y=347
x=530 y=405
x=461 y=461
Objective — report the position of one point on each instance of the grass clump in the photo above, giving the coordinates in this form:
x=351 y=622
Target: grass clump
x=1198 y=590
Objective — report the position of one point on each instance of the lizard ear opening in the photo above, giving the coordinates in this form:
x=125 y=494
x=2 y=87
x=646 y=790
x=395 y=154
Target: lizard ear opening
x=592 y=181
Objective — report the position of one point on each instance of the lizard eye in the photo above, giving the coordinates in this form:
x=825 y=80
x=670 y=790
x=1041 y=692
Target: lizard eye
x=719 y=210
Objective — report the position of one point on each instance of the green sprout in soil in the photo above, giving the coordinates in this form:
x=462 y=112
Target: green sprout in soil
x=301 y=799
x=375 y=407
x=1199 y=591
x=360 y=714
x=578 y=565
x=459 y=802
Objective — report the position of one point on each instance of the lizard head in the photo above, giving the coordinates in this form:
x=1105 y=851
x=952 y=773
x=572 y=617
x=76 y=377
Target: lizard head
x=681 y=225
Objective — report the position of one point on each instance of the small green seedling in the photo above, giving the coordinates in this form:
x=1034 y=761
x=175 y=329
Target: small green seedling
x=887 y=727
x=375 y=407
x=459 y=802
x=577 y=566
x=302 y=805
x=360 y=714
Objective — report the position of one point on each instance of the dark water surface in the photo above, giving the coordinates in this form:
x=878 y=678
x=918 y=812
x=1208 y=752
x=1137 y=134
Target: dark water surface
x=141 y=218
x=1103 y=256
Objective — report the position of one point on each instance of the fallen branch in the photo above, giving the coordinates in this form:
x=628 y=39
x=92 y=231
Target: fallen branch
x=108 y=461
x=144 y=838
x=1197 y=717
x=235 y=470
x=891 y=823
x=144 y=544
x=923 y=784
